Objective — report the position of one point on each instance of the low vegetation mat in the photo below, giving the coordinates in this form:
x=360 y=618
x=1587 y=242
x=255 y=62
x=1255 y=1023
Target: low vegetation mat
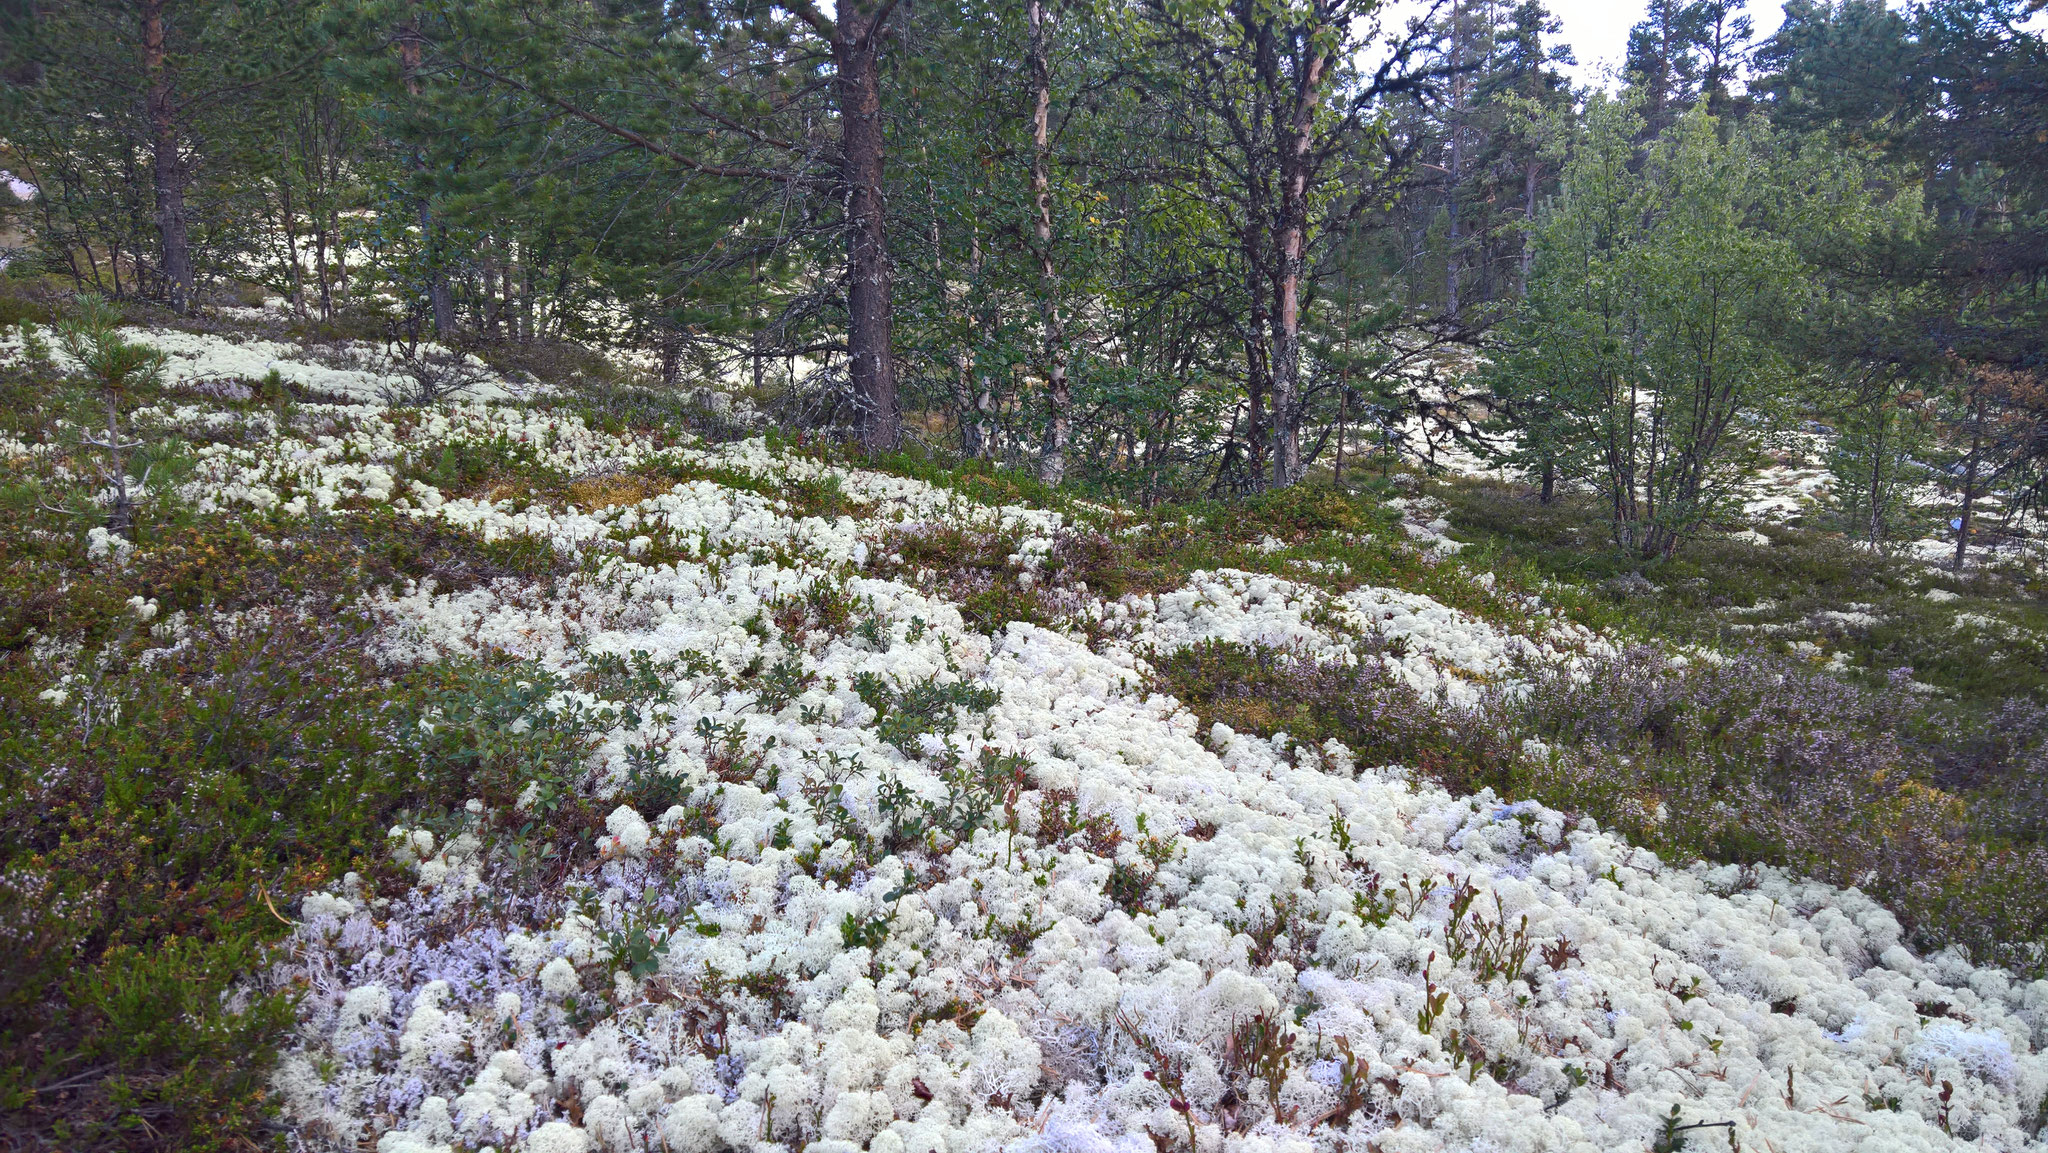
x=475 y=776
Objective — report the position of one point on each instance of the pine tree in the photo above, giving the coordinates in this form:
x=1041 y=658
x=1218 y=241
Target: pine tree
x=135 y=120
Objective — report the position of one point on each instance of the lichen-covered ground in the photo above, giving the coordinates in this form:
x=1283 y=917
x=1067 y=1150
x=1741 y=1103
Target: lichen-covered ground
x=870 y=876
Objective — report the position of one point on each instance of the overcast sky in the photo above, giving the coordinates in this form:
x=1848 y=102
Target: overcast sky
x=1597 y=30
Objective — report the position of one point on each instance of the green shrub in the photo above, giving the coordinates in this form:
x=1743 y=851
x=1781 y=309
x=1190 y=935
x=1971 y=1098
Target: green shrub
x=156 y=816
x=1263 y=690
x=926 y=707
x=139 y=865
x=22 y=299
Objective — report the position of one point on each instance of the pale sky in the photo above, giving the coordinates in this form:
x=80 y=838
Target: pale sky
x=1597 y=30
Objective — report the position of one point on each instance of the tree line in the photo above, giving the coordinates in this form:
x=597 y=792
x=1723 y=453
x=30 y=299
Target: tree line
x=1157 y=248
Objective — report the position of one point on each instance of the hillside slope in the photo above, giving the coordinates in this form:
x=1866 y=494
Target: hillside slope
x=751 y=825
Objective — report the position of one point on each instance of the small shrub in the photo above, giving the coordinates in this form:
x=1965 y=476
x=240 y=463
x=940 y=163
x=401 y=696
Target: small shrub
x=1763 y=760
x=1264 y=690
x=905 y=714
x=427 y=375
x=494 y=468
x=137 y=862
x=1300 y=510
x=18 y=305
x=485 y=729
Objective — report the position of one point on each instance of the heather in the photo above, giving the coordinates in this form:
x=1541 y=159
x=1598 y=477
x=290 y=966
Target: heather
x=1759 y=760
x=1796 y=589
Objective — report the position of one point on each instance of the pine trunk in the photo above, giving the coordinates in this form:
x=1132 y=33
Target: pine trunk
x=871 y=362
x=170 y=174
x=1963 y=524
x=1528 y=220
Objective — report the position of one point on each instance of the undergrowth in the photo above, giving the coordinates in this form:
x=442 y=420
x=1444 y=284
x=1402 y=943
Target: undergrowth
x=188 y=739
x=1756 y=761
x=160 y=810
x=1742 y=596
